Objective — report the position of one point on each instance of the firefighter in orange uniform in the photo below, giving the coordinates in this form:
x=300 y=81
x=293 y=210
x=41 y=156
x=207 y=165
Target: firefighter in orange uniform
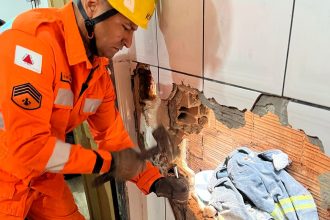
x=53 y=76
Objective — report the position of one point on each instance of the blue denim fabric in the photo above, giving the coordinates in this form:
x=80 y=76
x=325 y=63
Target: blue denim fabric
x=225 y=197
x=255 y=177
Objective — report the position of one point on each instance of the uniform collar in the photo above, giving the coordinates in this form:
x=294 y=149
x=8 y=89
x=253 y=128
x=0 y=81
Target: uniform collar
x=74 y=45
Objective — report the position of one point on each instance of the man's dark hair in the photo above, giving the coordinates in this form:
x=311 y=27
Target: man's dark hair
x=2 y=22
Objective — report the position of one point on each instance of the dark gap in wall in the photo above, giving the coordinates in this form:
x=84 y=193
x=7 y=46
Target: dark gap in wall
x=156 y=14
x=193 y=110
x=186 y=118
x=203 y=45
x=157 y=49
x=289 y=41
x=307 y=103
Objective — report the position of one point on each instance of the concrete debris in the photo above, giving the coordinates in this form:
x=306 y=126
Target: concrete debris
x=273 y=104
x=316 y=141
x=230 y=116
x=278 y=106
x=325 y=190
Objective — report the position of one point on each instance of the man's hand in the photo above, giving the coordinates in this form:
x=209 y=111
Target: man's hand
x=176 y=189
x=128 y=163
x=125 y=165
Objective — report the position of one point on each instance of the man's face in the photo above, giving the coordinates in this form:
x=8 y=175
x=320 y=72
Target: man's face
x=113 y=34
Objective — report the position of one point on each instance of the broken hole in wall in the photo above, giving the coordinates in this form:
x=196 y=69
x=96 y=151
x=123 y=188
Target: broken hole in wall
x=206 y=132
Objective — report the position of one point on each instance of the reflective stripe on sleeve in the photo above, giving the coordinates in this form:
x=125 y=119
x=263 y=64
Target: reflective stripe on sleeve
x=296 y=198
x=64 y=97
x=286 y=205
x=296 y=203
x=277 y=213
x=2 y=125
x=91 y=105
x=59 y=157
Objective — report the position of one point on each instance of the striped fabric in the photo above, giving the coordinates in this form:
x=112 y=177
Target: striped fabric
x=59 y=157
x=64 y=98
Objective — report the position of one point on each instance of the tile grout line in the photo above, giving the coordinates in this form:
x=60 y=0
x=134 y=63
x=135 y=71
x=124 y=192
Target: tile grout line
x=165 y=208
x=288 y=50
x=156 y=14
x=230 y=84
x=249 y=89
x=203 y=47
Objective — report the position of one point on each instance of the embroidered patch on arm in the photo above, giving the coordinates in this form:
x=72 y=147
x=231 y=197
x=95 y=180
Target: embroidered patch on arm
x=26 y=96
x=28 y=59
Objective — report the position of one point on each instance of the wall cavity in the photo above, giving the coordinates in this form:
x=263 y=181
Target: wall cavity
x=206 y=132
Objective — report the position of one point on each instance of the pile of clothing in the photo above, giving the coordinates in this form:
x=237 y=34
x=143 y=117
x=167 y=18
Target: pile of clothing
x=251 y=185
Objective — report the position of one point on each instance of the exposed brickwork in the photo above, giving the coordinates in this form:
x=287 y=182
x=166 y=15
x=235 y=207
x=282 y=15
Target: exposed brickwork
x=215 y=142
x=186 y=111
x=211 y=131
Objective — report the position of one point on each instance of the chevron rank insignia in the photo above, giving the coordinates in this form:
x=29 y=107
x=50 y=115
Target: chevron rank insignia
x=26 y=96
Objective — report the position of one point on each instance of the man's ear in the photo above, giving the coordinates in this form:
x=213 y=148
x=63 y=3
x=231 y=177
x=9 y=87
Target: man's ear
x=91 y=7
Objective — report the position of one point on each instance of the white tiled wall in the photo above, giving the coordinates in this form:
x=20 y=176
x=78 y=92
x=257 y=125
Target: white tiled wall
x=144 y=47
x=229 y=95
x=180 y=35
x=314 y=121
x=242 y=52
x=246 y=42
x=167 y=78
x=308 y=73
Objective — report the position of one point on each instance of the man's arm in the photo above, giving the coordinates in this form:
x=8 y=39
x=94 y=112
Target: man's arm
x=110 y=134
x=27 y=70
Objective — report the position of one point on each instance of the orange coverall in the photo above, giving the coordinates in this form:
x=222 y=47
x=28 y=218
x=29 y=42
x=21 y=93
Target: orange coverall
x=43 y=66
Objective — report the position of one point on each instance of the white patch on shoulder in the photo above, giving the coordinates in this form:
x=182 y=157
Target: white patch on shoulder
x=130 y=4
x=28 y=59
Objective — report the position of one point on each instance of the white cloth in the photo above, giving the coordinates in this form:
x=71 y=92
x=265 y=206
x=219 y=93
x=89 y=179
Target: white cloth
x=280 y=161
x=202 y=180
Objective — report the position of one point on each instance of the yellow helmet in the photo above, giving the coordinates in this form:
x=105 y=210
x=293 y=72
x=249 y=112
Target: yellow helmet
x=138 y=11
